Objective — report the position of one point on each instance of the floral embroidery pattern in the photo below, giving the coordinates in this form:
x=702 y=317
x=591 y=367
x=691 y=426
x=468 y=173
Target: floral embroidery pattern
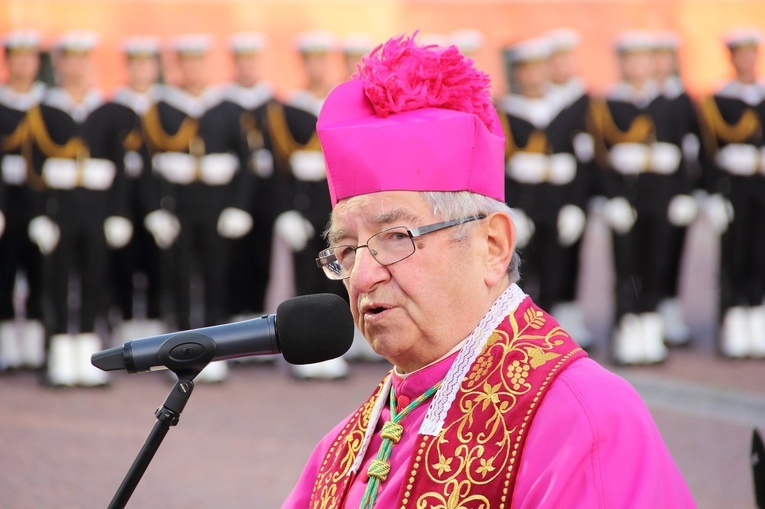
x=472 y=463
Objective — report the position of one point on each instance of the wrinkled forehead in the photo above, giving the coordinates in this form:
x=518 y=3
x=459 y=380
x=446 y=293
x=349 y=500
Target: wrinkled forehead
x=372 y=212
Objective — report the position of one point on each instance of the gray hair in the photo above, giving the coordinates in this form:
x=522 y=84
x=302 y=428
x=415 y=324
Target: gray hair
x=453 y=205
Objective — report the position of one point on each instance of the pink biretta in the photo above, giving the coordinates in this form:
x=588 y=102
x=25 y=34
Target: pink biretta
x=413 y=119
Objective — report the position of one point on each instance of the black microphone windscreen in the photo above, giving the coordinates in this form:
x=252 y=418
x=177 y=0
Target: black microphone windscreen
x=314 y=328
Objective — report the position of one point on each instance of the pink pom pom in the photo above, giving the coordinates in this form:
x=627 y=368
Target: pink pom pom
x=400 y=75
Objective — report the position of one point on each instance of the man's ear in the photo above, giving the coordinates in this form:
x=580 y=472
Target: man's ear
x=500 y=242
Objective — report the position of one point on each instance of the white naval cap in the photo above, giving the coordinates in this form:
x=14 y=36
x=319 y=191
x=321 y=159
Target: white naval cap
x=467 y=40
x=247 y=42
x=315 y=41
x=23 y=38
x=562 y=39
x=533 y=49
x=666 y=40
x=357 y=43
x=141 y=45
x=742 y=36
x=434 y=39
x=635 y=40
x=76 y=41
x=191 y=44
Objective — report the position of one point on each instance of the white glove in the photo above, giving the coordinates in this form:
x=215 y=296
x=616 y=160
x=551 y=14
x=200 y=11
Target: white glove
x=719 y=211
x=234 y=223
x=308 y=165
x=619 y=215
x=294 y=229
x=683 y=209
x=118 y=231
x=2 y=224
x=163 y=226
x=571 y=223
x=524 y=227
x=45 y=233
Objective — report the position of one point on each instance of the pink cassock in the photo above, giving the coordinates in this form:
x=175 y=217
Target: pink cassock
x=593 y=444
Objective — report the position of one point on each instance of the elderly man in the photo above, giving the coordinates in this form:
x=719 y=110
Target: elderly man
x=489 y=403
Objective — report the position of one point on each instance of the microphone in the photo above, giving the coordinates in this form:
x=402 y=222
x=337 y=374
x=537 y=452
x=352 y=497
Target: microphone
x=305 y=330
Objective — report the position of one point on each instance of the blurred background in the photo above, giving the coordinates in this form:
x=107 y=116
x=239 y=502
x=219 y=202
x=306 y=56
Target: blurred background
x=700 y=25
x=70 y=447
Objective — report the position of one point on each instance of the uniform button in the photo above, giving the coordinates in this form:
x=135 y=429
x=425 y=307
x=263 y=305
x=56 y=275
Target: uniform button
x=403 y=402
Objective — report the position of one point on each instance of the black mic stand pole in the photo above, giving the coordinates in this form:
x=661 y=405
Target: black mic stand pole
x=167 y=415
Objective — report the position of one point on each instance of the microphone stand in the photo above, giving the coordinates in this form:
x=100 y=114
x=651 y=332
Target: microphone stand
x=167 y=415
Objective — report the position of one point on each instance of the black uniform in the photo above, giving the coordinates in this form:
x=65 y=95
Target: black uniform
x=130 y=152
x=198 y=152
x=20 y=190
x=292 y=129
x=638 y=146
x=685 y=116
x=543 y=175
x=732 y=127
x=250 y=259
x=83 y=187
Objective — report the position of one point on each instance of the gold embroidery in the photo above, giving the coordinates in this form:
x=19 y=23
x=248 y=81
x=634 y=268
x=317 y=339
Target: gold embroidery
x=539 y=357
x=534 y=318
x=456 y=497
x=480 y=448
x=334 y=477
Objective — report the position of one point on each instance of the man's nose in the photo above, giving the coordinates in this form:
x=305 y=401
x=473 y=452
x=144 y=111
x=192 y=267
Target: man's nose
x=367 y=272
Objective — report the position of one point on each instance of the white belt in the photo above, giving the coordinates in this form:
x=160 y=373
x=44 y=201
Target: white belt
x=533 y=168
x=181 y=168
x=665 y=158
x=308 y=165
x=739 y=159
x=218 y=169
x=95 y=174
x=636 y=158
x=14 y=168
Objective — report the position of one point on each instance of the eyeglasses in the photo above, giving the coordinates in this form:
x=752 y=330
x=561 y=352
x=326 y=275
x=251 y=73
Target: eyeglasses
x=387 y=247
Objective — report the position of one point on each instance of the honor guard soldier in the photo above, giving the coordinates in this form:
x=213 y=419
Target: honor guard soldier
x=82 y=211
x=638 y=149
x=135 y=267
x=306 y=203
x=250 y=256
x=684 y=115
x=545 y=187
x=572 y=91
x=200 y=156
x=22 y=338
x=734 y=177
